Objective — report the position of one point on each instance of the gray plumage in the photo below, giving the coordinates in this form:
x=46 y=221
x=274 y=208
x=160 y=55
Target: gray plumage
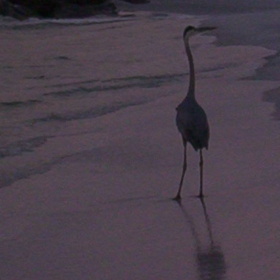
x=192 y=123
x=191 y=119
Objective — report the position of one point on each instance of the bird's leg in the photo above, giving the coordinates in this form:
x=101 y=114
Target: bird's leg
x=201 y=174
x=178 y=196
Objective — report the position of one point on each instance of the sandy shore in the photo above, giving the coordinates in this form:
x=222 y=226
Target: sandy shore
x=92 y=201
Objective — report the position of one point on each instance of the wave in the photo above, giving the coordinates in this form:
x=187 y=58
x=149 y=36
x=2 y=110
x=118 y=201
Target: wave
x=23 y=146
x=8 y=22
x=36 y=22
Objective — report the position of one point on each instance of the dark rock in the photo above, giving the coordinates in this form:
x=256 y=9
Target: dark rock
x=22 y=9
x=137 y=1
x=11 y=10
x=86 y=10
x=42 y=8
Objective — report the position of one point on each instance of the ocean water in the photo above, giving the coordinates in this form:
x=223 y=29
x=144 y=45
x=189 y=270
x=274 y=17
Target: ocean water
x=239 y=23
x=205 y=7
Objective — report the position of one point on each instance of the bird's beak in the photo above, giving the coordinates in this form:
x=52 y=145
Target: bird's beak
x=203 y=29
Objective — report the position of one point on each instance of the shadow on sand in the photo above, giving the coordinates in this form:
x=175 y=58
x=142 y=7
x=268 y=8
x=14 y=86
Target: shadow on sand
x=209 y=257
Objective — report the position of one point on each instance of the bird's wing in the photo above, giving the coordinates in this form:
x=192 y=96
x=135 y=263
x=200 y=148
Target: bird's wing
x=193 y=126
x=184 y=121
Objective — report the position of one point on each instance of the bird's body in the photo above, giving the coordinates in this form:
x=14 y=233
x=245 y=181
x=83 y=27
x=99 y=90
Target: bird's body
x=192 y=123
x=191 y=119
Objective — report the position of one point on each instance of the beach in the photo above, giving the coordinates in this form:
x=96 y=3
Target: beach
x=91 y=156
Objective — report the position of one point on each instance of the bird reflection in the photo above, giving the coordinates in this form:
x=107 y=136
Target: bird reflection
x=209 y=257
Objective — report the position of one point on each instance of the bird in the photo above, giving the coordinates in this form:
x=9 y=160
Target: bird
x=191 y=119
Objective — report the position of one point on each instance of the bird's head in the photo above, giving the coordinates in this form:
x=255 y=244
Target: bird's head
x=191 y=30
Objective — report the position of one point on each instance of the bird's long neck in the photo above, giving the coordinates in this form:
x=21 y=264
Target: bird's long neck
x=191 y=91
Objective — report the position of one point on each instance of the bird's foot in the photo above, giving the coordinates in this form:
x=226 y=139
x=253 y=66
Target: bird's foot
x=177 y=198
x=200 y=196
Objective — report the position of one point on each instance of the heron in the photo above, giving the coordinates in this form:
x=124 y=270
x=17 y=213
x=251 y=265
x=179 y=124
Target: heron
x=191 y=119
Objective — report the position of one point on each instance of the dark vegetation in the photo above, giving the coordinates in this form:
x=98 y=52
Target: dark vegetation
x=22 y=9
